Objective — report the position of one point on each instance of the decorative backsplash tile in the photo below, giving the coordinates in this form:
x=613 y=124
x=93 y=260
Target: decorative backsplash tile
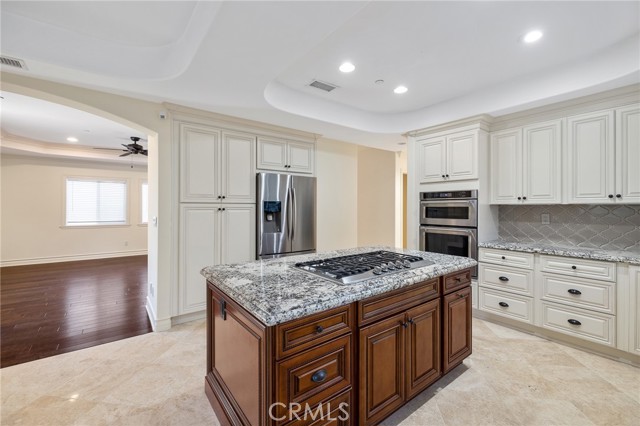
x=615 y=227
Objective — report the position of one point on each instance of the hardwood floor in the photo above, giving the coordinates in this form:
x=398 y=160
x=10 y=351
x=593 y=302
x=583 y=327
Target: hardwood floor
x=55 y=308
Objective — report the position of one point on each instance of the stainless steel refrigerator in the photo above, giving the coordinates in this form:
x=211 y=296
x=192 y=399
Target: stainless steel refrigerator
x=286 y=209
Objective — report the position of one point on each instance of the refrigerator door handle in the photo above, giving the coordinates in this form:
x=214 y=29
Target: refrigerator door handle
x=288 y=209
x=294 y=220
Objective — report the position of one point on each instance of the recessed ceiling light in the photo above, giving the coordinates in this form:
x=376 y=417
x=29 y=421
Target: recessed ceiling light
x=347 y=67
x=400 y=89
x=532 y=36
x=72 y=139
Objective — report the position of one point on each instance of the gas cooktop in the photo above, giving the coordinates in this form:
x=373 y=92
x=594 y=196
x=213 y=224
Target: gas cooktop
x=359 y=267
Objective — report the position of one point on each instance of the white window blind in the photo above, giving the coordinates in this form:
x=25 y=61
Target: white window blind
x=144 y=202
x=96 y=202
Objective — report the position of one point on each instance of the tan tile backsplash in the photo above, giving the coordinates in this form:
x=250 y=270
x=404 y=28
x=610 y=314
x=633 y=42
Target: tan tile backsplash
x=615 y=227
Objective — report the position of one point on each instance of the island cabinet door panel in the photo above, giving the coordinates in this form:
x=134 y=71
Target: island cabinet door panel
x=238 y=358
x=423 y=347
x=382 y=369
x=456 y=328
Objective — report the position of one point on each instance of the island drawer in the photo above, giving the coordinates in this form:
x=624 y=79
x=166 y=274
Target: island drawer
x=507 y=305
x=505 y=278
x=295 y=336
x=378 y=307
x=456 y=281
x=579 y=292
x=506 y=257
x=584 y=268
x=588 y=325
x=314 y=375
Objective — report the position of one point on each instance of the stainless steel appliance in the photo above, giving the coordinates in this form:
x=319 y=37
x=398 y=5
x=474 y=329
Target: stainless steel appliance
x=358 y=267
x=449 y=223
x=286 y=215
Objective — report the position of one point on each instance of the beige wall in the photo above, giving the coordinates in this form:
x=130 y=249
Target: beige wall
x=378 y=175
x=33 y=200
x=337 y=180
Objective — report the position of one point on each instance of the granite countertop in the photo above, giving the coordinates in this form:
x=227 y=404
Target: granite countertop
x=274 y=291
x=579 y=252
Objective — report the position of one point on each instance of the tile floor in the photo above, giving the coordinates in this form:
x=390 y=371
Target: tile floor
x=157 y=379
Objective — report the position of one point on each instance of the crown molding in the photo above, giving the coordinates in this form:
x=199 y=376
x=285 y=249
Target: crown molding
x=481 y=122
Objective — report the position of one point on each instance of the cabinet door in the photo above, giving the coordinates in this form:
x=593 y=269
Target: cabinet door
x=382 y=370
x=238 y=183
x=634 y=311
x=628 y=154
x=432 y=159
x=506 y=169
x=541 y=150
x=198 y=248
x=590 y=158
x=301 y=157
x=423 y=346
x=456 y=330
x=199 y=159
x=462 y=156
x=237 y=233
x=272 y=154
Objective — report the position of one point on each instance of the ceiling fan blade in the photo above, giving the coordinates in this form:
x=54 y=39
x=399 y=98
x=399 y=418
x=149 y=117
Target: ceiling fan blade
x=108 y=149
x=144 y=153
x=125 y=154
x=126 y=146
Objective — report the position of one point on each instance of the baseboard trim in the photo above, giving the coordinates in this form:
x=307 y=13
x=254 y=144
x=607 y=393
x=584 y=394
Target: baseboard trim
x=180 y=319
x=58 y=259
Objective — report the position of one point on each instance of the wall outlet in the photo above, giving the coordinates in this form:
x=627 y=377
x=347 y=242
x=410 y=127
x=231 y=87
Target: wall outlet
x=544 y=218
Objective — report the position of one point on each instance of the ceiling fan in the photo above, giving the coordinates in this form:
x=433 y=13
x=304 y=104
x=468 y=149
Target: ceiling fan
x=132 y=148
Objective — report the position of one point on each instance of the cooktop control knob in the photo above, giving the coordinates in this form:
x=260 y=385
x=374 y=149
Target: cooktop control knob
x=399 y=264
x=406 y=264
x=377 y=270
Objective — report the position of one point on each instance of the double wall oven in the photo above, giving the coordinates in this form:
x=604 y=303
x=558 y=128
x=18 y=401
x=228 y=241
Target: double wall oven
x=449 y=223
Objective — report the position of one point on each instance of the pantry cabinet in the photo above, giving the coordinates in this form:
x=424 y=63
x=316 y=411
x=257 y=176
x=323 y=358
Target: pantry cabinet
x=276 y=154
x=216 y=165
x=448 y=157
x=211 y=234
x=628 y=154
x=526 y=164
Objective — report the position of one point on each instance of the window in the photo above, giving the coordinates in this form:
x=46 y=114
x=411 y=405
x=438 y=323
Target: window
x=96 y=202
x=144 y=202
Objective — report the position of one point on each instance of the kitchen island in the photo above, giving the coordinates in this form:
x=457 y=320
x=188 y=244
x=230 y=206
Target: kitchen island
x=285 y=346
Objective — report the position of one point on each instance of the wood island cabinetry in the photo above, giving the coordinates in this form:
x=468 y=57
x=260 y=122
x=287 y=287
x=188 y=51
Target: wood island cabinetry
x=351 y=365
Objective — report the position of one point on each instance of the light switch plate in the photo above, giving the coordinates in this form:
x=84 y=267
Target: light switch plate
x=544 y=219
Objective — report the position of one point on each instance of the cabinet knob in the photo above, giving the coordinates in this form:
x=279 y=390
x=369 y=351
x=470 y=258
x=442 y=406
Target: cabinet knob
x=574 y=322
x=503 y=278
x=443 y=176
x=319 y=329
x=504 y=304
x=618 y=195
x=447 y=175
x=503 y=258
x=574 y=267
x=219 y=196
x=519 y=198
x=610 y=195
x=574 y=291
x=219 y=209
x=223 y=197
x=410 y=320
x=404 y=324
x=319 y=376
x=523 y=197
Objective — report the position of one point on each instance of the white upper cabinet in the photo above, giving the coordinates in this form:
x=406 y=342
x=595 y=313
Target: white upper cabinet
x=525 y=164
x=628 y=154
x=590 y=158
x=286 y=156
x=448 y=157
x=215 y=165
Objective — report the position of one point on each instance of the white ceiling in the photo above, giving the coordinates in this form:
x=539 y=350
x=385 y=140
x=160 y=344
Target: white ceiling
x=256 y=59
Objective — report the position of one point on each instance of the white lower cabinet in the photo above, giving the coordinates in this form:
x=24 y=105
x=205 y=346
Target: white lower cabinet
x=211 y=234
x=634 y=309
x=589 y=325
x=507 y=304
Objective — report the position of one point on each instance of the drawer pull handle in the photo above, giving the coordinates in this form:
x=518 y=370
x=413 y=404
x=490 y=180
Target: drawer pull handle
x=504 y=258
x=458 y=279
x=319 y=376
x=504 y=304
x=404 y=324
x=319 y=329
x=574 y=267
x=574 y=322
x=503 y=278
x=574 y=291
x=410 y=320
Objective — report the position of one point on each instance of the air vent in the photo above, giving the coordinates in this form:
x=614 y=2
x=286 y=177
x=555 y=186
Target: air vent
x=13 y=62
x=327 y=87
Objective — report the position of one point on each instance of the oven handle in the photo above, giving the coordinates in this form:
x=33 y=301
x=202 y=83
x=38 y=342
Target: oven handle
x=451 y=203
